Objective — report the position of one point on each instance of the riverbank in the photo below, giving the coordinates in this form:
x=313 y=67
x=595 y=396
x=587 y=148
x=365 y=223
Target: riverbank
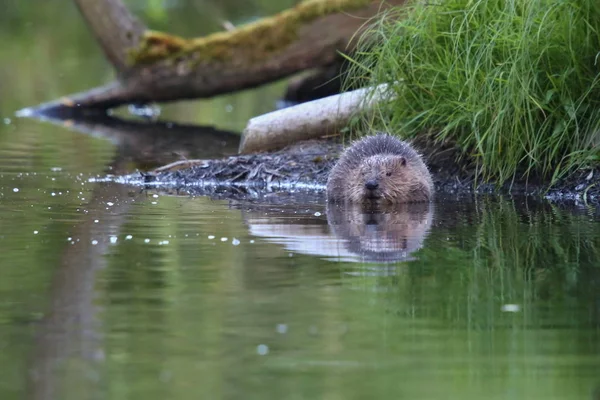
x=305 y=167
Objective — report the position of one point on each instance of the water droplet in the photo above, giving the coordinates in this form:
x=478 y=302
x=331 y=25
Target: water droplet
x=147 y=110
x=262 y=349
x=165 y=376
x=511 y=308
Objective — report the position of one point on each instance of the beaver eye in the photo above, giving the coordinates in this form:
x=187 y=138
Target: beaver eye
x=388 y=174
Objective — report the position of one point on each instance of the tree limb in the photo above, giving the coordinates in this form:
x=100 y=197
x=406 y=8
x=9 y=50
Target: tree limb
x=167 y=68
x=115 y=28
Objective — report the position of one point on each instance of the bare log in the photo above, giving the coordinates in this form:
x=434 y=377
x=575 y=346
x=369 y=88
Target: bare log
x=115 y=28
x=309 y=120
x=167 y=68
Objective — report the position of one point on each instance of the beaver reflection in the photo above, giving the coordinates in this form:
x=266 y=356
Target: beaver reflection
x=382 y=233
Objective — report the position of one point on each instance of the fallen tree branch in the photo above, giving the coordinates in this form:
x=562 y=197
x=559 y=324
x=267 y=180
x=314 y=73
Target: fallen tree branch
x=115 y=28
x=165 y=68
x=309 y=120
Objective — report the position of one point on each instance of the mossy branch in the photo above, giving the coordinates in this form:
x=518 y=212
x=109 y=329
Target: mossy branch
x=253 y=41
x=164 y=67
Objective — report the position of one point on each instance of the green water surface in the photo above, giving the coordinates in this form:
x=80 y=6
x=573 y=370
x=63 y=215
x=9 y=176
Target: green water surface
x=112 y=292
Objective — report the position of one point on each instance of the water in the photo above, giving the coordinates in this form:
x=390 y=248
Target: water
x=111 y=292
x=130 y=295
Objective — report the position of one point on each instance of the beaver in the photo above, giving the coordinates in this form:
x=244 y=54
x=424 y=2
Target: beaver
x=380 y=169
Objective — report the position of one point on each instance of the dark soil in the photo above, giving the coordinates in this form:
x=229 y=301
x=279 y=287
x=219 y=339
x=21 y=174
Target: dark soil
x=305 y=167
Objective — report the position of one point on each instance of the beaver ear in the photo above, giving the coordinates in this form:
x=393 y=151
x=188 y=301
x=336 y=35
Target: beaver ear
x=401 y=161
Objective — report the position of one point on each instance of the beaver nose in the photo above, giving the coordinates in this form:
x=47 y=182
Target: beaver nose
x=371 y=185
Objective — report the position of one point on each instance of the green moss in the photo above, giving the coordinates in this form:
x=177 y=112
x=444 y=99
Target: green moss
x=157 y=46
x=253 y=41
x=514 y=83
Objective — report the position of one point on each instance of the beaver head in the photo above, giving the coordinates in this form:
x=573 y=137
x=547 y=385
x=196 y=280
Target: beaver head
x=387 y=178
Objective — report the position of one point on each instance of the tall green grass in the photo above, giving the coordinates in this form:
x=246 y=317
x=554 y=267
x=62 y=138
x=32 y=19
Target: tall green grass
x=514 y=83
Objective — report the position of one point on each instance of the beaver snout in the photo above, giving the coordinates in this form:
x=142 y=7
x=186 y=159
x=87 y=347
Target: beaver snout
x=371 y=184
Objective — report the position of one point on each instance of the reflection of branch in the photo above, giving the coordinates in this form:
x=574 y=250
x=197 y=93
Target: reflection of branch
x=149 y=144
x=70 y=328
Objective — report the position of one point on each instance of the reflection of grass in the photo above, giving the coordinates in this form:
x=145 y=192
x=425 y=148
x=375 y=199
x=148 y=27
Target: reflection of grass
x=502 y=252
x=506 y=254
x=512 y=82
x=442 y=314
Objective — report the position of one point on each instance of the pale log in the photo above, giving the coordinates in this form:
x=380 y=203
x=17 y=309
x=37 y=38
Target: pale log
x=310 y=120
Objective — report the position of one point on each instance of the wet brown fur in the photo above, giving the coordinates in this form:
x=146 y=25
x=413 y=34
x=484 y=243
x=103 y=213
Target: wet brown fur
x=380 y=169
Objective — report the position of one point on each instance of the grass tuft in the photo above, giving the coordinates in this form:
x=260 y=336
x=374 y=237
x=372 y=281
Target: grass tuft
x=514 y=83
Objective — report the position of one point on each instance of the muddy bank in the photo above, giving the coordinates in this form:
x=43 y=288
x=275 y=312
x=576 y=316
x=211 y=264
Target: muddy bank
x=300 y=167
x=305 y=167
